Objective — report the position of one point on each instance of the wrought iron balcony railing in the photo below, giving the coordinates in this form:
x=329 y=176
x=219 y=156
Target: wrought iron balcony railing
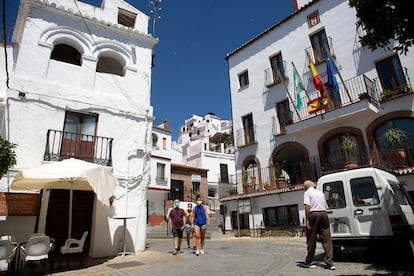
x=296 y=172
x=351 y=91
x=63 y=145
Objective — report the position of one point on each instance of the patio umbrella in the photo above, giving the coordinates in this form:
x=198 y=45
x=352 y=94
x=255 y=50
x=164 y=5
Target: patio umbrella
x=70 y=174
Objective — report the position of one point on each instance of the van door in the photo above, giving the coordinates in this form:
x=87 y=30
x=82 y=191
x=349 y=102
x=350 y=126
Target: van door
x=368 y=208
x=340 y=215
x=404 y=202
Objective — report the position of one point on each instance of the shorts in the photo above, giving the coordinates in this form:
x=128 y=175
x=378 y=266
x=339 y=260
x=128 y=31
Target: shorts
x=177 y=233
x=188 y=229
x=203 y=226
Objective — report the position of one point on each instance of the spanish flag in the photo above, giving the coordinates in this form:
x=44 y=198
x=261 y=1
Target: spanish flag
x=317 y=82
x=317 y=104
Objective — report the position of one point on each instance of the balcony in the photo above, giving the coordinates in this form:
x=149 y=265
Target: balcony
x=294 y=173
x=63 y=145
x=351 y=91
x=246 y=136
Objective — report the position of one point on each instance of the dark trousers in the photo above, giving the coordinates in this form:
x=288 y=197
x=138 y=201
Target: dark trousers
x=319 y=225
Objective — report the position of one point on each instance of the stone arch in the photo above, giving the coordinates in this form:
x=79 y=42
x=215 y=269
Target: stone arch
x=371 y=128
x=334 y=161
x=122 y=52
x=66 y=35
x=293 y=158
x=256 y=172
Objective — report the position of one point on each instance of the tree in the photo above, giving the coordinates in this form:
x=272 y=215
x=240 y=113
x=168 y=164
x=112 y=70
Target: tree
x=7 y=156
x=385 y=21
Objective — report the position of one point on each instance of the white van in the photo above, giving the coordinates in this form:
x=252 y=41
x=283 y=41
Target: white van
x=367 y=207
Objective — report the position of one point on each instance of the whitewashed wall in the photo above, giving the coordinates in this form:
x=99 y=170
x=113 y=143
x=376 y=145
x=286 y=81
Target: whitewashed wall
x=123 y=103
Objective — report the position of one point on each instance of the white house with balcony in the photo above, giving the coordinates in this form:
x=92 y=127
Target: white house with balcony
x=284 y=136
x=80 y=79
x=207 y=142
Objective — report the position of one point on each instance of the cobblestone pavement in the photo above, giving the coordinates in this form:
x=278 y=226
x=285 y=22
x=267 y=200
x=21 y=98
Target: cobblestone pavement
x=244 y=256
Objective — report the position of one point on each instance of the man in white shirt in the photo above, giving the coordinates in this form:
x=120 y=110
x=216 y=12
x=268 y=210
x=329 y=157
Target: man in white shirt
x=317 y=222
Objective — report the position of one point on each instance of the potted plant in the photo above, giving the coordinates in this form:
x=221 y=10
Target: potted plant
x=280 y=178
x=111 y=199
x=247 y=185
x=350 y=149
x=394 y=141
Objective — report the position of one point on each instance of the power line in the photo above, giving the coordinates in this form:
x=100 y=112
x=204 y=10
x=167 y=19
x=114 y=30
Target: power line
x=6 y=64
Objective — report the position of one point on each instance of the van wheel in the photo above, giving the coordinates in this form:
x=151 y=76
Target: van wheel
x=337 y=252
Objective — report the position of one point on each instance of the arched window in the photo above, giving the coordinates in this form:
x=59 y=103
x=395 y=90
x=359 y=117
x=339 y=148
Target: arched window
x=66 y=53
x=394 y=139
x=110 y=65
x=343 y=151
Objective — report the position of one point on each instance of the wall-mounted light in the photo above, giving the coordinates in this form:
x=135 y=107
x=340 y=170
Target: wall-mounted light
x=22 y=95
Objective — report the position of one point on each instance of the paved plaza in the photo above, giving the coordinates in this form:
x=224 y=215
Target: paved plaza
x=244 y=256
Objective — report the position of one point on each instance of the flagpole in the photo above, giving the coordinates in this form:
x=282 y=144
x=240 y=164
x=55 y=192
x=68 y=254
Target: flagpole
x=287 y=91
x=339 y=74
x=323 y=86
x=346 y=88
x=300 y=79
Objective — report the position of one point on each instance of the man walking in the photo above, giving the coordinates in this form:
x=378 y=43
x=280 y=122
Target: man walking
x=317 y=222
x=176 y=219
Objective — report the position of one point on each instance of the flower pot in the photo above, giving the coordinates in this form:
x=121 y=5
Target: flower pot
x=398 y=157
x=350 y=165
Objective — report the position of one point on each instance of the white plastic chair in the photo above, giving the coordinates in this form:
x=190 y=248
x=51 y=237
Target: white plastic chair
x=37 y=248
x=73 y=246
x=8 y=255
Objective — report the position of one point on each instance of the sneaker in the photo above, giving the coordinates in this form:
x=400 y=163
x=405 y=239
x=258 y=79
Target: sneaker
x=202 y=251
x=306 y=265
x=197 y=252
x=175 y=252
x=188 y=247
x=330 y=266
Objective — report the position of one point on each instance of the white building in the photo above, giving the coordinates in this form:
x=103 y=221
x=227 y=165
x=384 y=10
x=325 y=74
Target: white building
x=80 y=79
x=198 y=150
x=271 y=132
x=159 y=188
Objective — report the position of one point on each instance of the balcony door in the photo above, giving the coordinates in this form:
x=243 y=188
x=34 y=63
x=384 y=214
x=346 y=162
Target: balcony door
x=248 y=129
x=390 y=73
x=79 y=136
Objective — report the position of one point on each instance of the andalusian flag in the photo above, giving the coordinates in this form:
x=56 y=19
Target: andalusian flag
x=317 y=82
x=298 y=88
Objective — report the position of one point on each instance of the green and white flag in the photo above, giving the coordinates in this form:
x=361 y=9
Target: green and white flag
x=298 y=88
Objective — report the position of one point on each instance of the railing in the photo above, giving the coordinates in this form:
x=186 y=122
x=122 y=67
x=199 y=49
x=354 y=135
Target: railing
x=161 y=181
x=351 y=91
x=246 y=137
x=296 y=172
x=63 y=145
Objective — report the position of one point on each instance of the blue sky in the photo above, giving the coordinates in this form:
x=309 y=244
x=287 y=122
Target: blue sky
x=190 y=75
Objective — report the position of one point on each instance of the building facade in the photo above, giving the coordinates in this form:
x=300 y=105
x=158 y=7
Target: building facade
x=207 y=142
x=79 y=86
x=292 y=130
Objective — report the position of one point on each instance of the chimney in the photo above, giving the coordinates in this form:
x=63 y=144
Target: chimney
x=295 y=5
x=165 y=123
